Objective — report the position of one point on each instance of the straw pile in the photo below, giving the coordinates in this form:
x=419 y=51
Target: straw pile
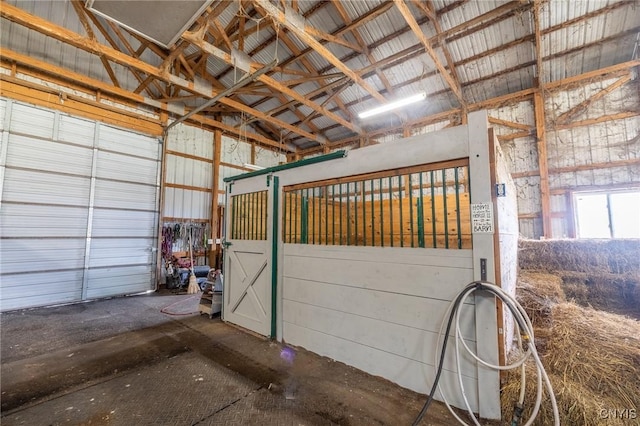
x=604 y=274
x=592 y=357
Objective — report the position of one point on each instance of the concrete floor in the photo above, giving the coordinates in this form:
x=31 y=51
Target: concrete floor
x=124 y=362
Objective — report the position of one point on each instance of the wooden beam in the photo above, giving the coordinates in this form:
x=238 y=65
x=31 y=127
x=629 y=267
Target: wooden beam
x=411 y=21
x=582 y=167
x=538 y=106
x=511 y=124
x=215 y=220
x=223 y=33
x=303 y=34
x=582 y=106
x=15 y=88
x=80 y=11
x=68 y=75
x=271 y=82
x=512 y=136
x=17 y=15
x=602 y=119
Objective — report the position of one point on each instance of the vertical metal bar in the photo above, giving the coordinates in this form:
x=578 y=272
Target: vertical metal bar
x=381 y=215
x=348 y=216
x=364 y=213
x=252 y=219
x=355 y=211
x=313 y=214
x=333 y=214
x=401 y=221
x=391 y=209
x=340 y=214
x=433 y=209
x=326 y=215
x=458 y=209
x=290 y=215
x=411 y=208
x=304 y=218
x=265 y=215
x=233 y=217
x=444 y=201
x=373 y=235
x=421 y=215
x=295 y=216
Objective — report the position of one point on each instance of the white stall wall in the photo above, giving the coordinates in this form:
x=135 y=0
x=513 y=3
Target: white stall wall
x=380 y=308
x=78 y=208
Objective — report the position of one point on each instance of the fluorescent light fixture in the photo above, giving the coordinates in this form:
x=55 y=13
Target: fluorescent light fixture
x=252 y=166
x=394 y=105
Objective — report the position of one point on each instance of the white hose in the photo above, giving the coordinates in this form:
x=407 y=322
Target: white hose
x=521 y=317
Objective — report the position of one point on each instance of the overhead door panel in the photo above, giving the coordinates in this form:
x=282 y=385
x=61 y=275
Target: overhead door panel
x=125 y=214
x=79 y=208
x=45 y=208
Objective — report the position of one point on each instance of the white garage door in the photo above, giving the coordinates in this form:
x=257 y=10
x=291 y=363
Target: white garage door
x=78 y=208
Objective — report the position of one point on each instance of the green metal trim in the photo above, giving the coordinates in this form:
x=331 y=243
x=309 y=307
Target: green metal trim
x=446 y=213
x=348 y=215
x=381 y=214
x=333 y=215
x=304 y=219
x=433 y=210
x=400 y=201
x=421 y=216
x=373 y=217
x=458 y=208
x=411 y=209
x=391 y=209
x=305 y=162
x=274 y=256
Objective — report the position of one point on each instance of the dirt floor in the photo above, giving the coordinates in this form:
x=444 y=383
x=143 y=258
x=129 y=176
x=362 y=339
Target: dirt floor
x=122 y=362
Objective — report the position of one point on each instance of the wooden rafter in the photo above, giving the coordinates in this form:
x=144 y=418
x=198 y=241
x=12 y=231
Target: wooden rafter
x=411 y=21
x=303 y=34
x=356 y=33
x=511 y=124
x=269 y=81
x=565 y=117
x=45 y=27
x=80 y=11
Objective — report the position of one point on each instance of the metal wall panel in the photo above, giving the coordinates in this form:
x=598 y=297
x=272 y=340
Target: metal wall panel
x=126 y=142
x=40 y=289
x=30 y=120
x=126 y=168
x=31 y=186
x=123 y=223
x=118 y=280
x=45 y=155
x=124 y=195
x=79 y=208
x=186 y=204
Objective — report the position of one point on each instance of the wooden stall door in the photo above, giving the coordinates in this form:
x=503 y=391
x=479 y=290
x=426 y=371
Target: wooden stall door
x=247 y=287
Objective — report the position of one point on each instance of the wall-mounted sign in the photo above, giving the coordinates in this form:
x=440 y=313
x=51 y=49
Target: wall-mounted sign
x=482 y=218
x=501 y=190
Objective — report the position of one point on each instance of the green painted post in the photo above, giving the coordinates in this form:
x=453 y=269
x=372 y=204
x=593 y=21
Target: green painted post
x=274 y=256
x=458 y=209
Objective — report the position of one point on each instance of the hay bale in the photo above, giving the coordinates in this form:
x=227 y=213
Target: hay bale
x=576 y=404
x=537 y=292
x=593 y=361
x=590 y=256
x=598 y=350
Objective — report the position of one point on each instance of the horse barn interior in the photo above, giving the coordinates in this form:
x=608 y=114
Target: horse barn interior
x=320 y=212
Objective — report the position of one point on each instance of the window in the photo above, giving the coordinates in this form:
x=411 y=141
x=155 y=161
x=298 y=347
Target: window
x=608 y=214
x=426 y=206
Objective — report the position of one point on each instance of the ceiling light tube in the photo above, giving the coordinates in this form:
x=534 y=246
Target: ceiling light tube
x=394 y=105
x=252 y=166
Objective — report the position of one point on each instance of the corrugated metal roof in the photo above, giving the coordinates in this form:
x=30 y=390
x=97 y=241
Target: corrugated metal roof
x=504 y=71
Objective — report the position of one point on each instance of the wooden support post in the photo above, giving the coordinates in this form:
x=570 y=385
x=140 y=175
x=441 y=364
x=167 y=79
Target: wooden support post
x=215 y=218
x=538 y=102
